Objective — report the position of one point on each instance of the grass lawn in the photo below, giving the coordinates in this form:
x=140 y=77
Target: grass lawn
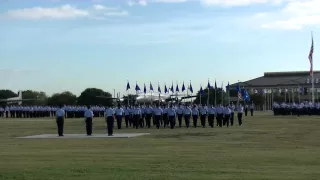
x=266 y=147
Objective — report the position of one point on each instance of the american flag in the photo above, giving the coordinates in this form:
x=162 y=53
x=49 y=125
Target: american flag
x=310 y=57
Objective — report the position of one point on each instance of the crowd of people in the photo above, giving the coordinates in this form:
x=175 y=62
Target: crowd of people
x=159 y=116
x=303 y=108
x=136 y=116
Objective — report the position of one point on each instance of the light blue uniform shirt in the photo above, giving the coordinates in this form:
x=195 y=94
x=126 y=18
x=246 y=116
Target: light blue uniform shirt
x=88 y=113
x=60 y=113
x=171 y=112
x=157 y=111
x=109 y=112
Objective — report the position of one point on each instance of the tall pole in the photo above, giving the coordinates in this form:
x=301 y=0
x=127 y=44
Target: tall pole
x=215 y=93
x=208 y=93
x=222 y=93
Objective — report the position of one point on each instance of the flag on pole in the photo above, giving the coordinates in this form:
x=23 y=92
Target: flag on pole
x=208 y=86
x=137 y=87
x=171 y=89
x=183 y=87
x=151 y=87
x=228 y=87
x=165 y=89
x=128 y=86
x=190 y=88
x=238 y=89
x=201 y=90
x=215 y=85
x=145 y=89
x=311 y=56
x=177 y=88
x=159 y=89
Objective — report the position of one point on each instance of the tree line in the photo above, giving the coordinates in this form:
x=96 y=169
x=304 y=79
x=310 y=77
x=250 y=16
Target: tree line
x=90 y=96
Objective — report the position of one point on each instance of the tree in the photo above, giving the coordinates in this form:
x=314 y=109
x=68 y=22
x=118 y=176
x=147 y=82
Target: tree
x=257 y=99
x=40 y=98
x=62 y=98
x=90 y=96
x=204 y=96
x=5 y=94
x=132 y=98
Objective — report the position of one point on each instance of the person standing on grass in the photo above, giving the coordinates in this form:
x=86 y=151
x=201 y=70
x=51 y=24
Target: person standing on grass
x=203 y=115
x=60 y=120
x=251 y=108
x=211 y=112
x=219 y=111
x=110 y=120
x=88 y=115
x=157 y=115
x=172 y=116
x=180 y=114
x=227 y=113
x=195 y=115
x=240 y=112
x=187 y=113
x=232 y=108
x=127 y=116
x=119 y=112
x=148 y=111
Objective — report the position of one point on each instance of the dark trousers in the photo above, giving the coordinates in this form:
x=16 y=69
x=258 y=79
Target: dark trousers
x=195 y=120
x=127 y=118
x=246 y=111
x=172 y=120
x=7 y=114
x=203 y=120
x=89 y=126
x=110 y=122
x=231 y=118
x=226 y=120
x=219 y=120
x=180 y=119
x=136 y=121
x=240 y=119
x=148 y=120
x=251 y=110
x=157 y=119
x=210 y=120
x=165 y=120
x=119 y=121
x=60 y=123
x=187 y=120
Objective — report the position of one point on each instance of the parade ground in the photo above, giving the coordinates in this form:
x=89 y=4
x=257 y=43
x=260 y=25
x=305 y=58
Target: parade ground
x=265 y=147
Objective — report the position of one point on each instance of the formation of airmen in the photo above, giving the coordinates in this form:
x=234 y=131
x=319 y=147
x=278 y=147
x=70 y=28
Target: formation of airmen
x=18 y=111
x=159 y=116
x=303 y=108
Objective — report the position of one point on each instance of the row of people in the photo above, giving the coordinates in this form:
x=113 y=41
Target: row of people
x=161 y=116
x=303 y=108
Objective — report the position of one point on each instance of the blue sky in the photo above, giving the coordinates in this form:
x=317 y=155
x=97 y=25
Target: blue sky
x=58 y=45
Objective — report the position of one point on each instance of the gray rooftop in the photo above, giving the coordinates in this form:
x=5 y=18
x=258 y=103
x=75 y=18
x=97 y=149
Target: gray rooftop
x=278 y=79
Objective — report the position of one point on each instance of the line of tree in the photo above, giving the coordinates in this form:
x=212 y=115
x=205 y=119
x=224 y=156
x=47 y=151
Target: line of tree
x=89 y=96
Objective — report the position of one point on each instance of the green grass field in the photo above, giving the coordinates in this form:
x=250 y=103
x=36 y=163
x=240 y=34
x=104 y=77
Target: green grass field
x=266 y=147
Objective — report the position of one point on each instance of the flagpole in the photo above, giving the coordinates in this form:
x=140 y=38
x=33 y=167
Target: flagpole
x=215 y=93
x=208 y=93
x=222 y=93
x=200 y=96
x=238 y=92
x=128 y=92
x=311 y=69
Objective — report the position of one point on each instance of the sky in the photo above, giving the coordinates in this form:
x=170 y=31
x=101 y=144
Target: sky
x=70 y=45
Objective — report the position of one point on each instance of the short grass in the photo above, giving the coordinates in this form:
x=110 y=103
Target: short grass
x=266 y=147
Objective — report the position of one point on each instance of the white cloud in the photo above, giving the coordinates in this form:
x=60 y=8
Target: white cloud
x=63 y=12
x=294 y=15
x=143 y=2
x=223 y=3
x=139 y=2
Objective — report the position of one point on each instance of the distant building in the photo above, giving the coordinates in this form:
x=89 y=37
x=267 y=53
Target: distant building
x=292 y=86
